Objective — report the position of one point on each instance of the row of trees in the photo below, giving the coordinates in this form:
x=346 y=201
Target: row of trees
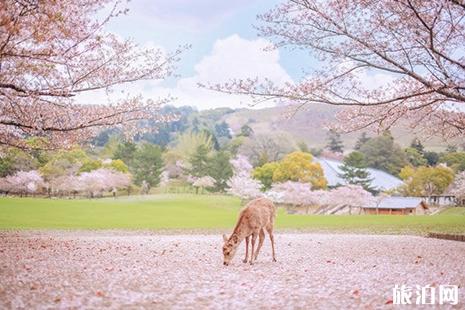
x=192 y=158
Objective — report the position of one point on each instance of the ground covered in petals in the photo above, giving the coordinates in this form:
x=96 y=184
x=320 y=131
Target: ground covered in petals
x=115 y=269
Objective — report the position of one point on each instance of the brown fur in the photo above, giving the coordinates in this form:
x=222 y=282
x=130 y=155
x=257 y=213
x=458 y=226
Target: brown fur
x=256 y=217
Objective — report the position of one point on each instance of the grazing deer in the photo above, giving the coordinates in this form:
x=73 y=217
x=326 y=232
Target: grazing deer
x=259 y=214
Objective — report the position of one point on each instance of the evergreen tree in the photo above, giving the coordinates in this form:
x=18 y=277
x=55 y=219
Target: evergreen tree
x=222 y=130
x=214 y=140
x=416 y=144
x=414 y=157
x=382 y=153
x=303 y=147
x=199 y=162
x=432 y=158
x=125 y=151
x=246 y=130
x=334 y=142
x=361 y=141
x=451 y=148
x=220 y=169
x=354 y=170
x=147 y=164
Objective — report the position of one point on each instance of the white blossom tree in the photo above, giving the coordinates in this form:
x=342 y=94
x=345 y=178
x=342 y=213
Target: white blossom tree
x=241 y=184
x=204 y=182
x=458 y=188
x=22 y=182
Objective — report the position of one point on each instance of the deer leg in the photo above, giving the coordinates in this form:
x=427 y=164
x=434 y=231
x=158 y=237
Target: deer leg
x=246 y=249
x=270 y=232
x=254 y=237
x=261 y=238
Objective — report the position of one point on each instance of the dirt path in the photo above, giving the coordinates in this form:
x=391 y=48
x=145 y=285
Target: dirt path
x=318 y=271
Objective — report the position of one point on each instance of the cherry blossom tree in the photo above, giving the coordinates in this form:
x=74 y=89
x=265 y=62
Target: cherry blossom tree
x=350 y=195
x=53 y=51
x=297 y=194
x=100 y=180
x=241 y=165
x=244 y=187
x=241 y=183
x=458 y=188
x=22 y=182
x=387 y=60
x=203 y=182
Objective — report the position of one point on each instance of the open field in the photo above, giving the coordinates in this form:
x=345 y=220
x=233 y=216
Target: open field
x=117 y=270
x=198 y=212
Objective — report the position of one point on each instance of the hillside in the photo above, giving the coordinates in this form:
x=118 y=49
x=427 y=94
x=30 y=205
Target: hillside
x=310 y=126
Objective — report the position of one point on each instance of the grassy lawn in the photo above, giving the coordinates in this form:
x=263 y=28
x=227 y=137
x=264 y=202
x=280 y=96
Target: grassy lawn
x=185 y=211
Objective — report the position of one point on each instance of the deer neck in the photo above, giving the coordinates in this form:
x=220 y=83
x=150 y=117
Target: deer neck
x=240 y=233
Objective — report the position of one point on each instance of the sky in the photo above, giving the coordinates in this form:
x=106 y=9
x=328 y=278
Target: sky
x=224 y=45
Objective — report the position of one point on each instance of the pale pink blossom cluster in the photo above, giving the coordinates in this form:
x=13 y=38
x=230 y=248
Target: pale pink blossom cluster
x=387 y=60
x=458 y=187
x=92 y=183
x=301 y=194
x=164 y=178
x=100 y=180
x=22 y=182
x=241 y=184
x=205 y=181
x=53 y=51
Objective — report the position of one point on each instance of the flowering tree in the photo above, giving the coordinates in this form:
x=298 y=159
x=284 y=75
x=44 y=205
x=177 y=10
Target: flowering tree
x=241 y=165
x=52 y=51
x=412 y=49
x=100 y=180
x=297 y=194
x=241 y=183
x=350 y=195
x=458 y=187
x=244 y=187
x=203 y=182
x=22 y=182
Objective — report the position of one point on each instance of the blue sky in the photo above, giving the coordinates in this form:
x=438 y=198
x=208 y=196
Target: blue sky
x=224 y=43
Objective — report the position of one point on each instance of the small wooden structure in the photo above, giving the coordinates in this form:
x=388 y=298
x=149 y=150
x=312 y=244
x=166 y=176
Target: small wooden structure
x=398 y=206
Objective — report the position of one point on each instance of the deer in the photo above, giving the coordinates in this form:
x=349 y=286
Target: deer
x=256 y=217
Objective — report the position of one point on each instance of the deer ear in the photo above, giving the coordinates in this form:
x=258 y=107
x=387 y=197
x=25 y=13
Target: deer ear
x=235 y=239
x=225 y=238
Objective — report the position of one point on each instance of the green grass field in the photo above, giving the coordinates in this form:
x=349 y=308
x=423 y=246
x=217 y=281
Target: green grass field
x=197 y=212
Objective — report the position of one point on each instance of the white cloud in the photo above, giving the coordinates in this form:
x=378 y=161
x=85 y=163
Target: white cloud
x=230 y=58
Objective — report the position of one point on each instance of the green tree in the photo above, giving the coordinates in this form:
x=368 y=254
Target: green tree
x=455 y=160
x=64 y=162
x=199 y=162
x=125 y=151
x=90 y=164
x=416 y=144
x=451 y=148
x=432 y=158
x=222 y=130
x=265 y=174
x=147 y=164
x=220 y=169
x=361 y=141
x=354 y=170
x=303 y=147
x=187 y=144
x=6 y=165
x=117 y=165
x=246 y=130
x=382 y=153
x=414 y=157
x=334 y=142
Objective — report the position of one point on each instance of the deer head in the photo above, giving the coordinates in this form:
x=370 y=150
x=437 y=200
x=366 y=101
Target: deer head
x=229 y=248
